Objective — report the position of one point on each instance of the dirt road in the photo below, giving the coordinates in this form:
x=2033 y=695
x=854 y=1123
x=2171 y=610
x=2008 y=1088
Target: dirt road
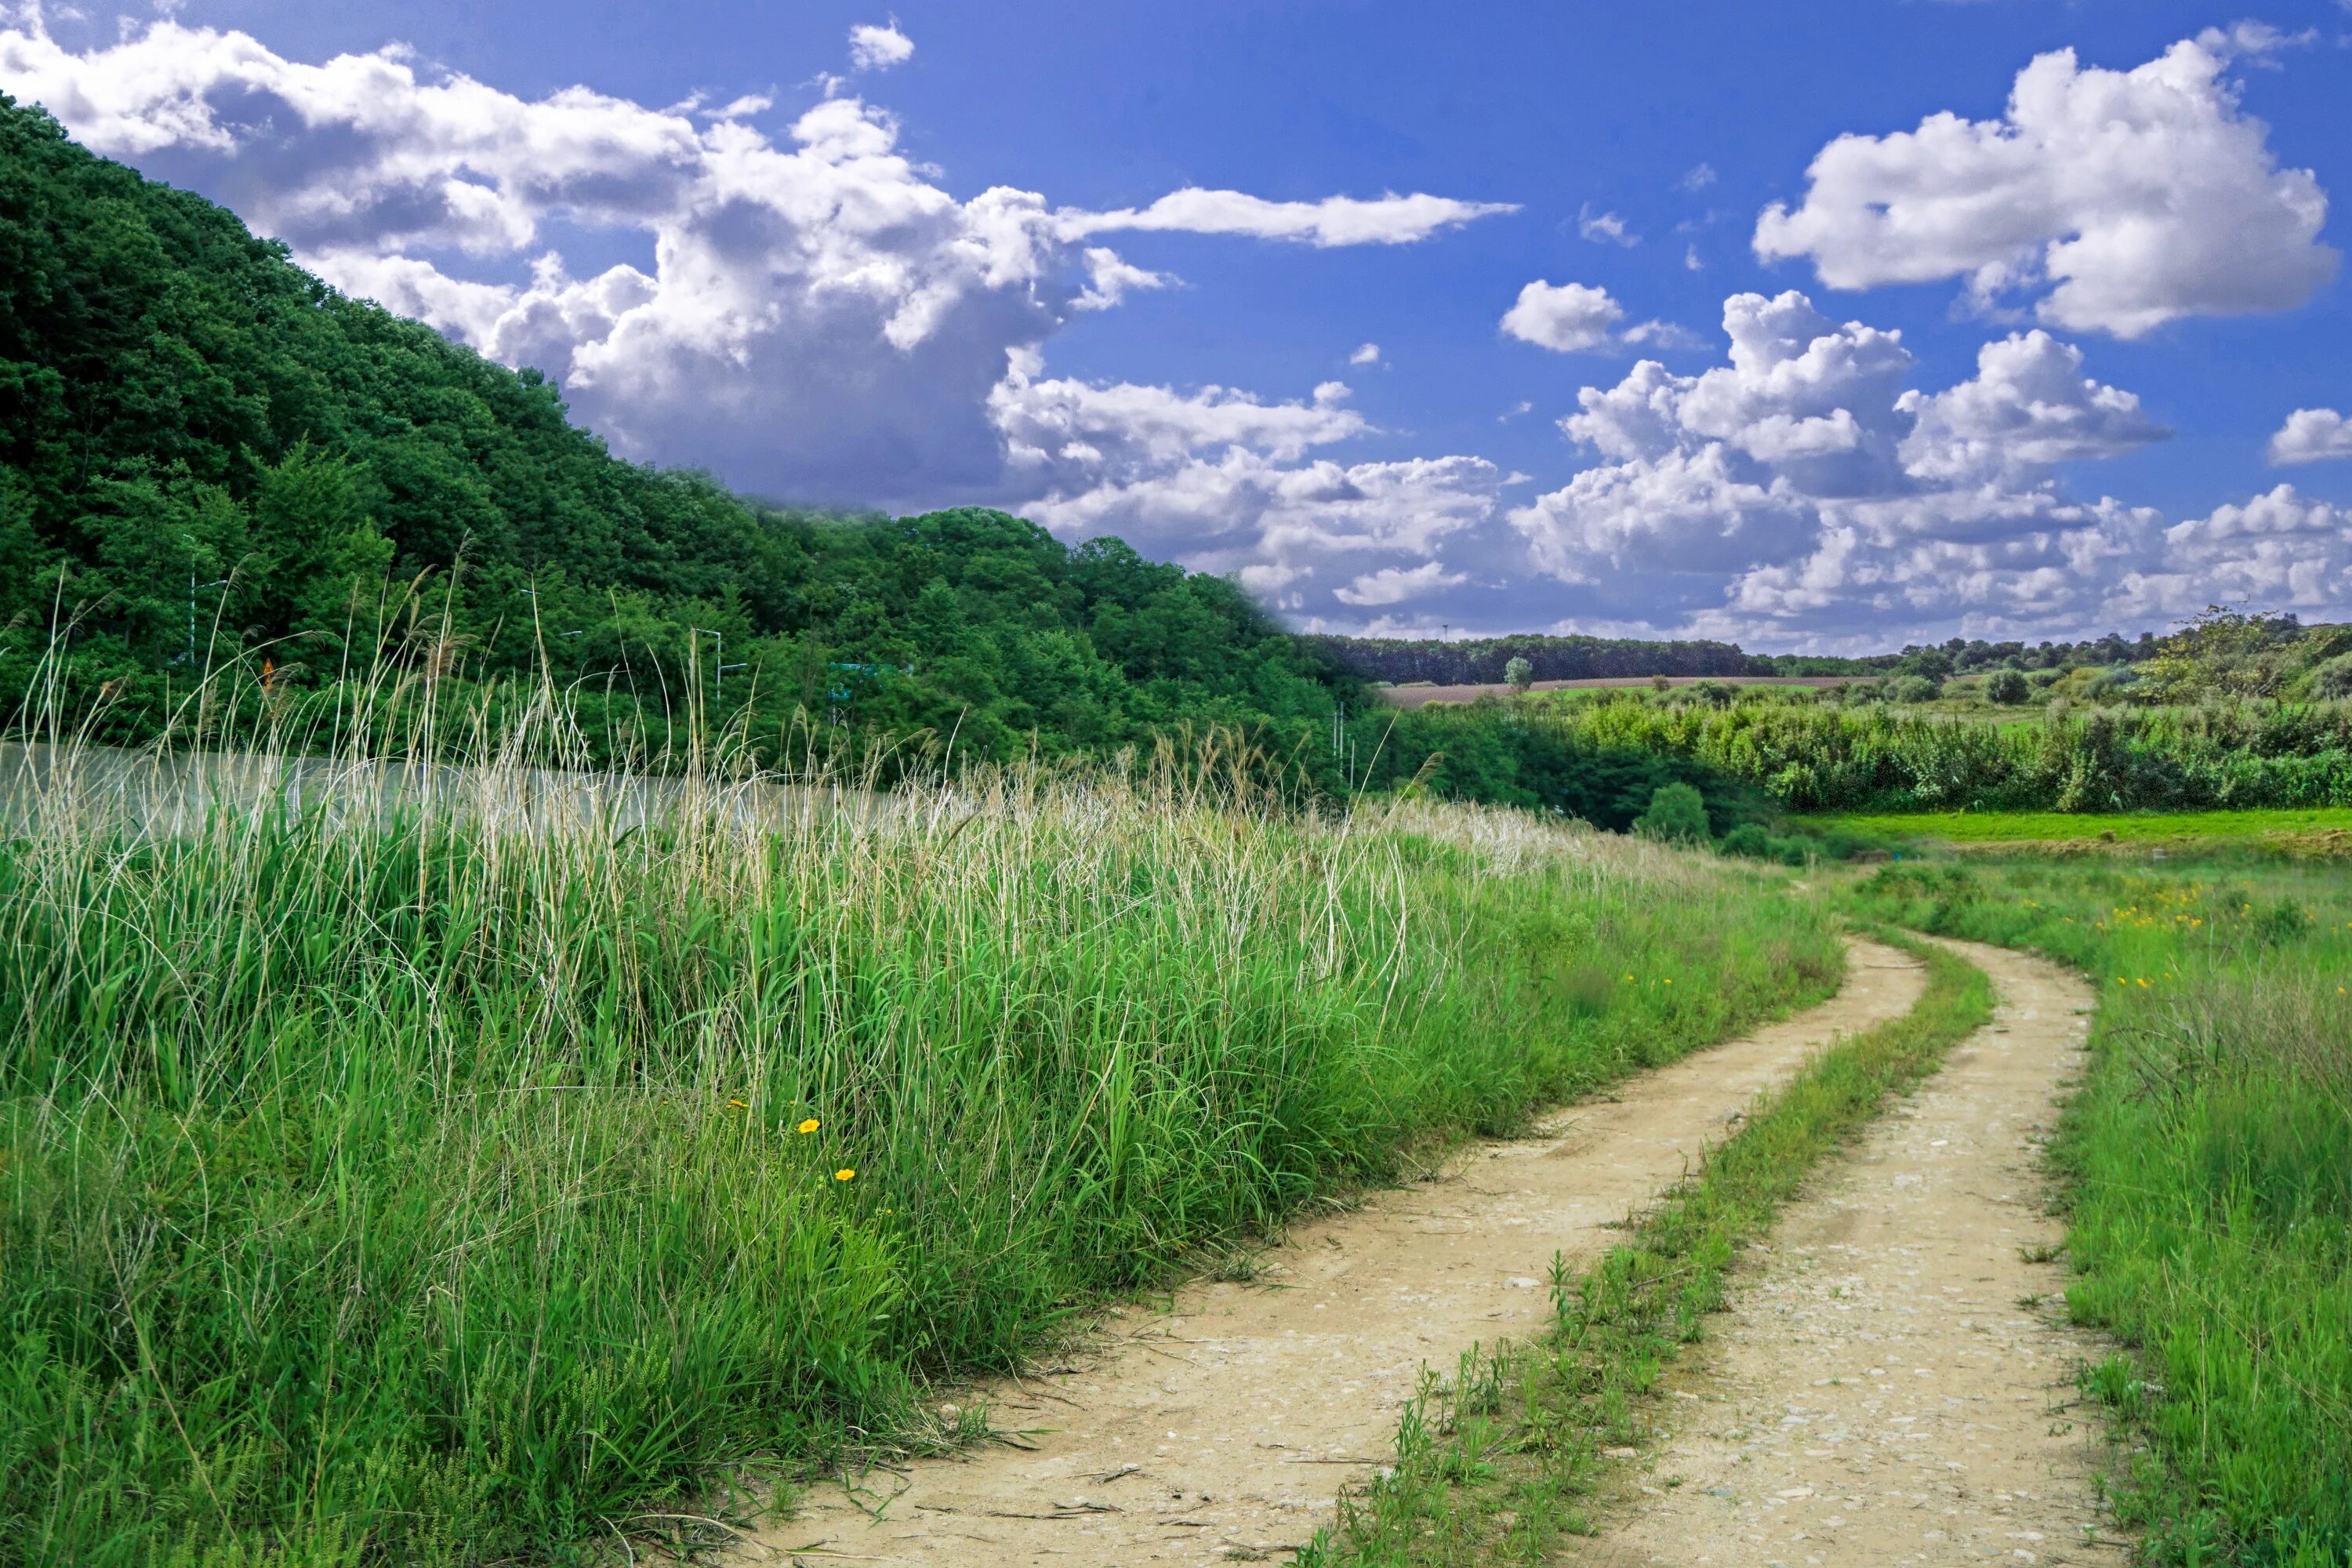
x=1223 y=1427
x=1894 y=1384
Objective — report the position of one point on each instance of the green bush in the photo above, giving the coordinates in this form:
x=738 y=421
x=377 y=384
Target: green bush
x=2007 y=687
x=1749 y=840
x=1677 y=814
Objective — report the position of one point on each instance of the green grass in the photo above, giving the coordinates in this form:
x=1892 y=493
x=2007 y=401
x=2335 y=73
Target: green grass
x=2128 y=827
x=412 y=1188
x=1498 y=1465
x=2209 y=1163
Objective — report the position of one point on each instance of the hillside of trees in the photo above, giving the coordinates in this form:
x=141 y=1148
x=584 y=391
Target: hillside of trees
x=1480 y=661
x=1967 y=655
x=208 y=457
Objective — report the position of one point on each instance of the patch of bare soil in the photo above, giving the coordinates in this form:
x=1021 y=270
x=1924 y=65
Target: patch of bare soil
x=1220 y=1427
x=1894 y=1381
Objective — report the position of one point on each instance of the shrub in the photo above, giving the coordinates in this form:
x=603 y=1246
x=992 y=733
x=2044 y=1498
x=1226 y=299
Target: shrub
x=2008 y=688
x=1916 y=689
x=1677 y=814
x=2112 y=685
x=2332 y=679
x=1749 y=840
x=1520 y=673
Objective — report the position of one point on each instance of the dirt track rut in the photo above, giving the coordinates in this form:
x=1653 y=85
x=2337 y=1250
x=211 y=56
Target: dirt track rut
x=1222 y=1428
x=1892 y=1384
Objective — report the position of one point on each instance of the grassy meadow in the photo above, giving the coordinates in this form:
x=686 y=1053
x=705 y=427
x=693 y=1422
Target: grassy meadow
x=2209 y=1158
x=385 y=1180
x=2178 y=829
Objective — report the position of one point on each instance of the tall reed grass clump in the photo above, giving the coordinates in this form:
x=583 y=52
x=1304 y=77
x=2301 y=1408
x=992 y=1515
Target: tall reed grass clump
x=453 y=1165
x=2210 y=1166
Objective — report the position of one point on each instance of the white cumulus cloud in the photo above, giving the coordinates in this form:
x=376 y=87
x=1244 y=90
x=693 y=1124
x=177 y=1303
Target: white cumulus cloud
x=2280 y=550
x=873 y=48
x=1225 y=481
x=1366 y=354
x=1395 y=584
x=2311 y=435
x=1803 y=485
x=2115 y=200
x=1568 y=318
x=2028 y=408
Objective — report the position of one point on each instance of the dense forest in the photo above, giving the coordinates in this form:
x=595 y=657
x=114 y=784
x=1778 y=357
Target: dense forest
x=209 y=458
x=1480 y=661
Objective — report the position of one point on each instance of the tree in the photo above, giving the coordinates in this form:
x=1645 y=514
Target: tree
x=1520 y=673
x=2007 y=687
x=1677 y=814
x=2225 y=651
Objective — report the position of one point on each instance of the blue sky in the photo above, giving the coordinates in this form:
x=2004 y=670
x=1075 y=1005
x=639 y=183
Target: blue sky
x=912 y=257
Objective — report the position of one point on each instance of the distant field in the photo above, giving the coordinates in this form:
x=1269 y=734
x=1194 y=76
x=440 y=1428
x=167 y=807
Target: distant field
x=2135 y=827
x=1414 y=696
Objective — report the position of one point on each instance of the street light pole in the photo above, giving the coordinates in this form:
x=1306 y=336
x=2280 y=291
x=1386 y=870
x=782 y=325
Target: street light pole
x=719 y=658
x=190 y=657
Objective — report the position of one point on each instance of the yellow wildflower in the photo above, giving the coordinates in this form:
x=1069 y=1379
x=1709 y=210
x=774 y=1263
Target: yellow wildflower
x=845 y=1174
x=808 y=1126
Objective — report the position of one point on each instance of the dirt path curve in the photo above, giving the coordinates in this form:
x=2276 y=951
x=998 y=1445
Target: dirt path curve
x=1894 y=1386
x=1223 y=1427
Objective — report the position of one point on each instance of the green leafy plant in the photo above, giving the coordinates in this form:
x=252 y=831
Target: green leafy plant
x=1677 y=814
